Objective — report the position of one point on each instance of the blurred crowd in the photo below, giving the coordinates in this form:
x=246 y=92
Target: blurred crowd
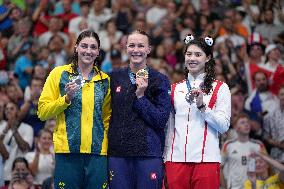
x=38 y=35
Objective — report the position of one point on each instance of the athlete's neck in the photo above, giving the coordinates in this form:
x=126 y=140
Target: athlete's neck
x=136 y=67
x=86 y=69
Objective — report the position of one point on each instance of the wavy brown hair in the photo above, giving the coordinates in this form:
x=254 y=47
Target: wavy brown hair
x=74 y=59
x=209 y=66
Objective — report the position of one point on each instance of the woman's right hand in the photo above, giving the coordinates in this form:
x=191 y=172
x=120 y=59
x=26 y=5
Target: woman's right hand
x=71 y=88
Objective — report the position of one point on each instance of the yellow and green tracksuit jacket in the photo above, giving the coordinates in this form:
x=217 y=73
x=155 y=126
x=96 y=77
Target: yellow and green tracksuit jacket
x=81 y=126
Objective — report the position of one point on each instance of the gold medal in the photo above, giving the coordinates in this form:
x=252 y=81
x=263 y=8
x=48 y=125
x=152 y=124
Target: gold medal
x=142 y=73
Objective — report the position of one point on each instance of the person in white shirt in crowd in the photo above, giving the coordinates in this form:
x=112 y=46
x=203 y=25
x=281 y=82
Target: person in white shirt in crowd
x=17 y=137
x=235 y=154
x=110 y=35
x=54 y=27
x=74 y=24
x=202 y=111
x=273 y=129
x=268 y=29
x=99 y=15
x=41 y=161
x=58 y=52
x=155 y=14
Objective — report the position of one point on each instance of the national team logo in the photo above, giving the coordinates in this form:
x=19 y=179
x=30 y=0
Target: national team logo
x=61 y=185
x=153 y=176
x=111 y=175
x=118 y=89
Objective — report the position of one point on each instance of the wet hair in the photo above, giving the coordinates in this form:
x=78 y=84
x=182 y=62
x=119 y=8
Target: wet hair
x=142 y=32
x=74 y=59
x=210 y=75
x=20 y=160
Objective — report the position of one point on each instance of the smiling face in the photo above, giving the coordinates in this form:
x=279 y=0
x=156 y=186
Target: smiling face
x=138 y=48
x=87 y=50
x=261 y=166
x=45 y=140
x=11 y=111
x=195 y=59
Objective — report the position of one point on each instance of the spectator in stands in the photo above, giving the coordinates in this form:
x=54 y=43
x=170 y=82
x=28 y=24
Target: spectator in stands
x=255 y=50
x=99 y=15
x=235 y=153
x=74 y=24
x=268 y=29
x=124 y=17
x=40 y=17
x=41 y=160
x=59 y=7
x=264 y=176
x=156 y=13
x=228 y=30
x=110 y=34
x=18 y=137
x=261 y=100
x=50 y=124
x=58 y=52
x=21 y=177
x=14 y=93
x=273 y=129
x=20 y=40
x=67 y=14
x=6 y=23
x=273 y=55
x=54 y=27
x=24 y=64
x=28 y=110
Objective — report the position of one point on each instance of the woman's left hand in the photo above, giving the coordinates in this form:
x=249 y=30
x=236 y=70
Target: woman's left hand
x=142 y=84
x=198 y=94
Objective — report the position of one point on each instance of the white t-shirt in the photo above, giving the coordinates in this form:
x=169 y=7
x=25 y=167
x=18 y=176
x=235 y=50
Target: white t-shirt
x=45 y=166
x=27 y=133
x=155 y=14
x=235 y=155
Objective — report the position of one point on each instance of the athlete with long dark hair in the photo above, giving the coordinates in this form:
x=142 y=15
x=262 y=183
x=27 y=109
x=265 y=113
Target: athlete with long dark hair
x=78 y=95
x=201 y=111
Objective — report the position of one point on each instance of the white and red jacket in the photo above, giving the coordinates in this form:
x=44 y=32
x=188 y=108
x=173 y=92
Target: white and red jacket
x=193 y=136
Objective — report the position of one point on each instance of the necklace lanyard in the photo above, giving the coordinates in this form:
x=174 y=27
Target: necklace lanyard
x=189 y=97
x=188 y=86
x=132 y=77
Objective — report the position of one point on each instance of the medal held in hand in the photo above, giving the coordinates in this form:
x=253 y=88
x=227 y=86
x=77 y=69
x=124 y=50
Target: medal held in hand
x=142 y=73
x=79 y=80
x=190 y=96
